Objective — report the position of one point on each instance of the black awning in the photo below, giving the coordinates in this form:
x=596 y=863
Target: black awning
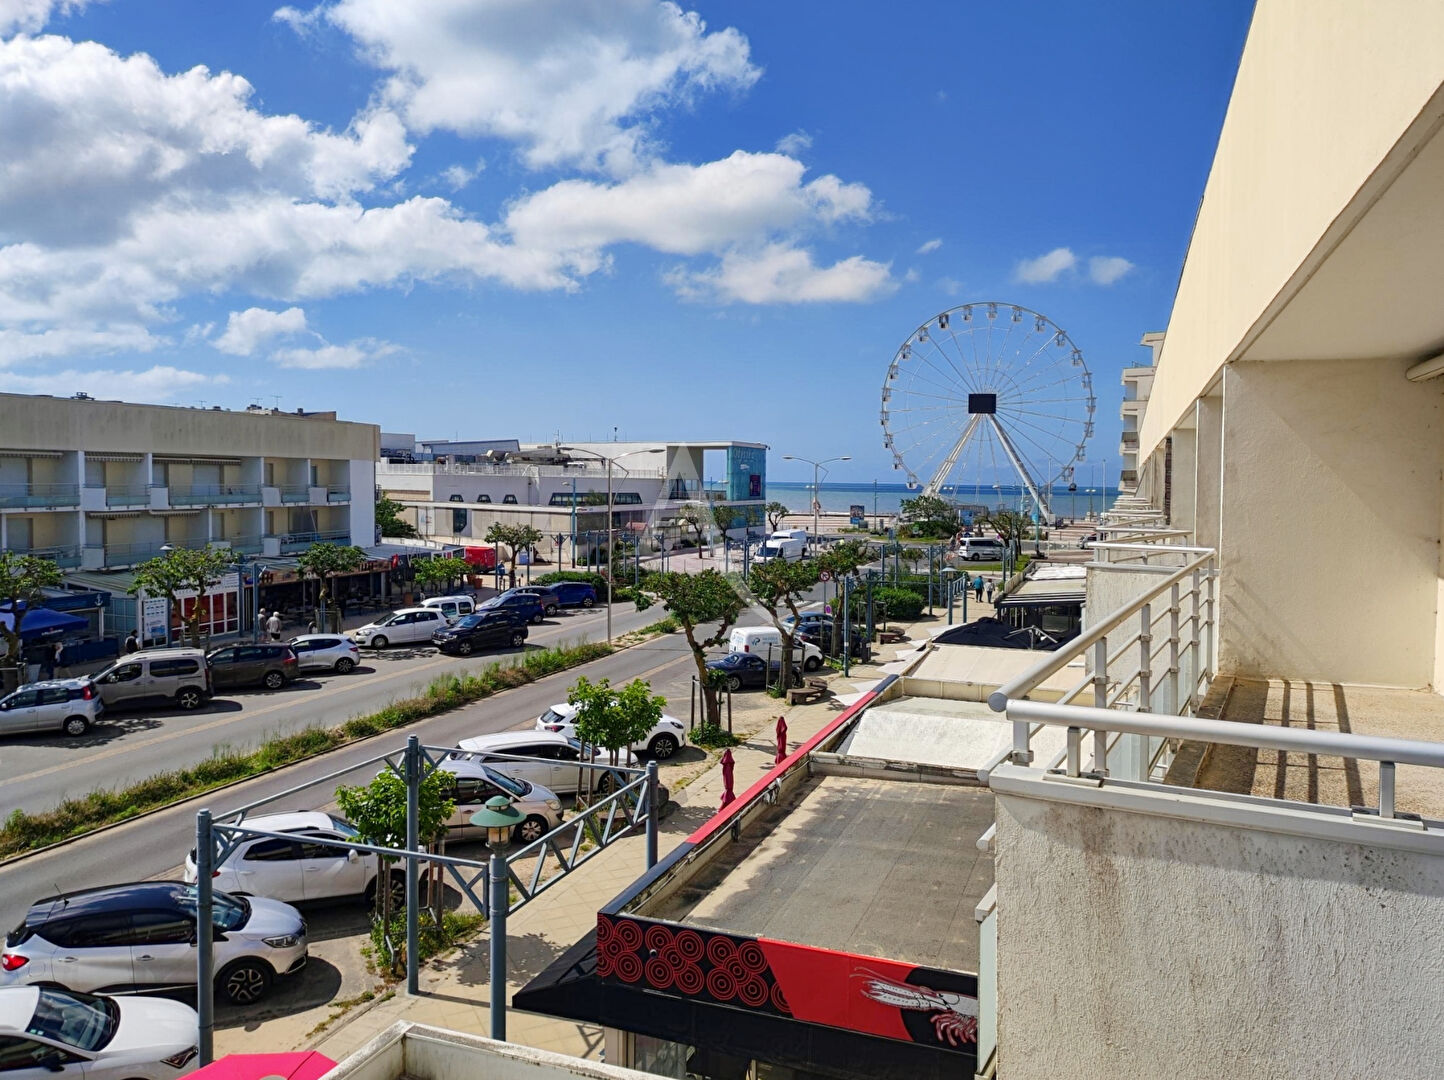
x=569 y=988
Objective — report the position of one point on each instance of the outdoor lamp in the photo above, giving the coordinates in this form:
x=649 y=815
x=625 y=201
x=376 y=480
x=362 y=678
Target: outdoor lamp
x=498 y=819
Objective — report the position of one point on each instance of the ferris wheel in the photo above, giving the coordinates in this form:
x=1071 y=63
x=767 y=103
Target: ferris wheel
x=984 y=392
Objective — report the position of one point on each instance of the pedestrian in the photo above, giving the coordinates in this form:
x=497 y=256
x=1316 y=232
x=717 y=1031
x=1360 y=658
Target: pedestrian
x=47 y=662
x=311 y=627
x=990 y=590
x=273 y=626
x=57 y=659
x=978 y=587
x=132 y=643
x=512 y=573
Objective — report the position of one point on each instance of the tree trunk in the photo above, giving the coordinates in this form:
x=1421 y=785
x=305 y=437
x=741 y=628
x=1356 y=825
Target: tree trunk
x=711 y=706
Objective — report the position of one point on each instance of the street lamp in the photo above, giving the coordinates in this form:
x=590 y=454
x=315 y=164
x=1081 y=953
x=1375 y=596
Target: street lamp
x=611 y=529
x=498 y=819
x=816 y=471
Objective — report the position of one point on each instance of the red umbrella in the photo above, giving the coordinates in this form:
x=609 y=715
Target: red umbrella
x=306 y=1065
x=781 y=740
x=727 y=767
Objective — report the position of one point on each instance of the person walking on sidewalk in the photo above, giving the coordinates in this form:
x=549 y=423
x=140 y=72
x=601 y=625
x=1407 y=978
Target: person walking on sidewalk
x=132 y=643
x=978 y=588
x=273 y=626
x=990 y=590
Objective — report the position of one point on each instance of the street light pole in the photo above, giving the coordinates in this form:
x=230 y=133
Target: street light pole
x=816 y=481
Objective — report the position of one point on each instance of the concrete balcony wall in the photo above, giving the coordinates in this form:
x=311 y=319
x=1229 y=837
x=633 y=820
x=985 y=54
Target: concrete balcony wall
x=1140 y=935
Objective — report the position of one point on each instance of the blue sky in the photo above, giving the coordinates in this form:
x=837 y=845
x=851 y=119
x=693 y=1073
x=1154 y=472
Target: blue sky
x=496 y=218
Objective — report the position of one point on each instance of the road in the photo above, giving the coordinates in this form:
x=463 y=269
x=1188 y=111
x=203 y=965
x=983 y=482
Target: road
x=37 y=773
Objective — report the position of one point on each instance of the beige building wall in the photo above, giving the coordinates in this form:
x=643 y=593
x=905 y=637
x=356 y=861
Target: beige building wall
x=1323 y=91
x=1208 y=433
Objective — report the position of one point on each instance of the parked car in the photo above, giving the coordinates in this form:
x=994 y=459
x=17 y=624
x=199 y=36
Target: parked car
x=575 y=593
x=526 y=606
x=746 y=670
x=271 y=665
x=980 y=549
x=181 y=676
x=545 y=594
x=666 y=736
x=68 y=705
x=1091 y=538
x=46 y=1030
x=475 y=783
x=404 y=627
x=139 y=937
x=299 y=869
x=816 y=628
x=767 y=640
x=453 y=607
x=551 y=759
x=786 y=544
x=326 y=652
x=484 y=630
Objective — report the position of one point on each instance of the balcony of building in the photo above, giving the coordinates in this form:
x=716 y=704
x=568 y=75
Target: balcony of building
x=38 y=480
x=47 y=536
x=219 y=494
x=27 y=496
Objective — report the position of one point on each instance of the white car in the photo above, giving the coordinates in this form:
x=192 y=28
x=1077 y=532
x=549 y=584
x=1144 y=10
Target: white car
x=551 y=759
x=665 y=738
x=475 y=783
x=47 y=1032
x=299 y=869
x=405 y=627
x=326 y=652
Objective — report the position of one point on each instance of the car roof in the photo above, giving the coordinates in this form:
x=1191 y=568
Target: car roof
x=443 y=599
x=315 y=637
x=68 y=684
x=17 y=1006
x=164 y=654
x=410 y=610
x=291 y=821
x=564 y=709
x=498 y=740
x=104 y=899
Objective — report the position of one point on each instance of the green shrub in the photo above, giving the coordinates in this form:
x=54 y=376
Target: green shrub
x=900 y=604
x=712 y=737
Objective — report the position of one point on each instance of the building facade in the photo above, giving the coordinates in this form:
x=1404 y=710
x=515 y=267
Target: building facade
x=1137 y=385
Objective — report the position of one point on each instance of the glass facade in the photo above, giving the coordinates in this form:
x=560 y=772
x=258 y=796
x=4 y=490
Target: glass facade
x=746 y=473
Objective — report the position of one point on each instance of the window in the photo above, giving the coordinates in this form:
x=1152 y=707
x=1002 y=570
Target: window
x=627 y=498
x=22 y=699
x=483 y=498
x=17 y=1053
x=426 y=616
x=469 y=790
x=223 y=656
x=458 y=519
x=252 y=653
x=54 y=695
x=310 y=849
x=271 y=851
x=305 y=646
x=80 y=1020
x=174 y=667
x=162 y=928
x=510 y=499
x=455 y=498
x=124 y=673
x=100 y=931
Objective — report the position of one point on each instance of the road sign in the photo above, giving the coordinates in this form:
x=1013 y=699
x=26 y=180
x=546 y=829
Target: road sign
x=826 y=575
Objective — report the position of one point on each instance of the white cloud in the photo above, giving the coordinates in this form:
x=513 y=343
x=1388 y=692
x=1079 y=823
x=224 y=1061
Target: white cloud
x=575 y=83
x=28 y=16
x=28 y=343
x=160 y=383
x=1046 y=268
x=333 y=357
x=950 y=286
x=929 y=246
x=458 y=176
x=779 y=274
x=912 y=276
x=249 y=329
x=1106 y=269
x=794 y=144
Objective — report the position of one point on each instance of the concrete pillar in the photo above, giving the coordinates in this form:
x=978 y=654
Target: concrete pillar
x=1208 y=433
x=1181 y=508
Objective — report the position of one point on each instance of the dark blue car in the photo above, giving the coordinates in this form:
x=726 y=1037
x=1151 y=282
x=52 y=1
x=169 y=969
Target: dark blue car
x=524 y=606
x=575 y=593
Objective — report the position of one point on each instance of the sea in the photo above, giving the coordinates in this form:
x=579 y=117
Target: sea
x=887 y=498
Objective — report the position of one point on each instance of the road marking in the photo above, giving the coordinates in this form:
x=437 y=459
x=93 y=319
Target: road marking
x=222 y=721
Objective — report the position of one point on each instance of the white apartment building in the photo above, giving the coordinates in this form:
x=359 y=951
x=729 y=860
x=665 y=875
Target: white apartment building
x=1137 y=385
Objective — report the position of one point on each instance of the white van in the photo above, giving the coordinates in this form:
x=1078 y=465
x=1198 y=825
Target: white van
x=787 y=544
x=756 y=639
x=980 y=549
x=453 y=607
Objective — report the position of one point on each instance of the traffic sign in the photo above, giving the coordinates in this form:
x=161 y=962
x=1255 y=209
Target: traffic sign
x=826 y=575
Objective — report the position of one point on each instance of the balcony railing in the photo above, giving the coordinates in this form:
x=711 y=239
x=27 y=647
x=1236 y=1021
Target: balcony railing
x=241 y=545
x=215 y=494
x=338 y=493
x=296 y=493
x=65 y=557
x=292 y=543
x=127 y=495
x=39 y=495
x=1130 y=438
x=128 y=554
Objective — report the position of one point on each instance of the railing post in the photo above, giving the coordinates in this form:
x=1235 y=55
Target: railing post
x=1145 y=658
x=1100 y=700
x=1386 y=789
x=1193 y=654
x=413 y=903
x=1022 y=753
x=1173 y=605
x=653 y=814
x=499 y=887
x=1075 y=751
x=205 y=961
x=1209 y=616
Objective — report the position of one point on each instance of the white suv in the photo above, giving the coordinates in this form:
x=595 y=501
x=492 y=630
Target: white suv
x=475 y=783
x=299 y=869
x=551 y=759
x=68 y=705
x=404 y=627
x=661 y=742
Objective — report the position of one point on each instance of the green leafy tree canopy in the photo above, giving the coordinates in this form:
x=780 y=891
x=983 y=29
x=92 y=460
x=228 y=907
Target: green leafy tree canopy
x=614 y=717
x=23 y=579
x=697 y=600
x=697 y=517
x=378 y=811
x=780 y=585
x=931 y=517
x=515 y=536
x=388 y=517
x=775 y=512
x=182 y=570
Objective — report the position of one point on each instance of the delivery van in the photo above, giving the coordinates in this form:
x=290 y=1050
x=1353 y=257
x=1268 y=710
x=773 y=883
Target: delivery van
x=758 y=639
x=786 y=544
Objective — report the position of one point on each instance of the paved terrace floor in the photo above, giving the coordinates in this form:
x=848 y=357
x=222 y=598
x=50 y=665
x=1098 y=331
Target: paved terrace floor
x=879 y=867
x=1322 y=706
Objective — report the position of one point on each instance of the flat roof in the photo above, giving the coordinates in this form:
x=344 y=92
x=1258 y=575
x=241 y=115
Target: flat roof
x=884 y=868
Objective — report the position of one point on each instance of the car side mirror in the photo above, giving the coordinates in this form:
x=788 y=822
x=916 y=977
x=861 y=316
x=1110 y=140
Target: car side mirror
x=352 y=855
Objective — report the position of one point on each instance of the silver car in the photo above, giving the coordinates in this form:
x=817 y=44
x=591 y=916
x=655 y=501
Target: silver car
x=68 y=705
x=326 y=652
x=475 y=783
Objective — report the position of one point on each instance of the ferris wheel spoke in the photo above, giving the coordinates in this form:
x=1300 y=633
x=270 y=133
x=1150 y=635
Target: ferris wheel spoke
x=1053 y=435
x=949 y=373
x=1052 y=454
x=937 y=346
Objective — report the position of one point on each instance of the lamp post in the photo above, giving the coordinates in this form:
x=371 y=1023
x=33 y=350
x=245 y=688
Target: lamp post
x=816 y=477
x=611 y=524
x=950 y=588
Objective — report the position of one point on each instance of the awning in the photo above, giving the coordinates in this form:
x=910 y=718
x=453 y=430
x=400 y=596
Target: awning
x=42 y=622
x=306 y=1065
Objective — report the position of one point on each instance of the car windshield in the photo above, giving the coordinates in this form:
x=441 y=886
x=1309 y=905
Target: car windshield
x=387 y=621
x=469 y=621
x=551 y=716
x=515 y=787
x=345 y=828
x=227 y=912
x=83 y=1021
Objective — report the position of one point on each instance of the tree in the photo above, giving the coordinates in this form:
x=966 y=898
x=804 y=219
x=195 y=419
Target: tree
x=842 y=560
x=614 y=718
x=698 y=518
x=378 y=811
x=779 y=584
x=390 y=521
x=182 y=570
x=775 y=512
x=696 y=600
x=323 y=562
x=1012 y=526
x=724 y=517
x=516 y=537
x=23 y=579
x=931 y=517
x=440 y=573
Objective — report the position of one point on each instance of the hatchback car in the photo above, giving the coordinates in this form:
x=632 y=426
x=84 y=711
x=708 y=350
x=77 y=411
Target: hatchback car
x=575 y=593
x=325 y=652
x=545 y=594
x=180 y=676
x=46 y=1030
x=484 y=630
x=405 y=627
x=68 y=705
x=747 y=670
x=141 y=937
x=661 y=742
x=474 y=783
x=548 y=758
x=525 y=606
x=300 y=869
x=268 y=665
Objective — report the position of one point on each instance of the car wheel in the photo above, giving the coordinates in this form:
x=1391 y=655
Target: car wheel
x=189 y=698
x=607 y=784
x=662 y=747
x=379 y=641
x=734 y=683
x=518 y=640
x=245 y=981
x=273 y=680
x=530 y=830
x=398 y=891
x=812 y=663
x=345 y=665
x=536 y=619
x=75 y=725
x=550 y=612
x=588 y=602
x=463 y=648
